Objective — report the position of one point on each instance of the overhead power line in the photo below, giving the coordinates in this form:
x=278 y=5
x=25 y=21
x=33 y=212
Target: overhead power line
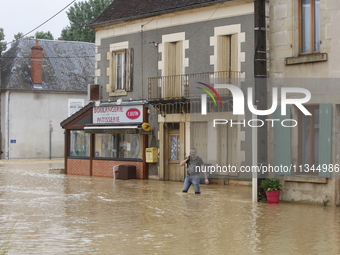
x=45 y=21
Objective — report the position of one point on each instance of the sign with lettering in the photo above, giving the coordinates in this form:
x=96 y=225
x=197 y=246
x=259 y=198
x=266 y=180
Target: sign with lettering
x=118 y=114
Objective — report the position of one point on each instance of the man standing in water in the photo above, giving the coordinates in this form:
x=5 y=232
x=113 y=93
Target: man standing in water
x=193 y=173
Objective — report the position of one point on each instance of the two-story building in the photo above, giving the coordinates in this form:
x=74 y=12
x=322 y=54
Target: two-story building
x=158 y=60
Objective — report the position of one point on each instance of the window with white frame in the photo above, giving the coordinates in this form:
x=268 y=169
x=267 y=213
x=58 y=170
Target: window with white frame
x=74 y=105
x=120 y=75
x=228 y=54
x=120 y=70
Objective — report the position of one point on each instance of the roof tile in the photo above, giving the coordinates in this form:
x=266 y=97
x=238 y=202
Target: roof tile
x=67 y=66
x=132 y=9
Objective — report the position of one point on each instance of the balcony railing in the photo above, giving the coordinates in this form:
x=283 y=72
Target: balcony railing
x=188 y=85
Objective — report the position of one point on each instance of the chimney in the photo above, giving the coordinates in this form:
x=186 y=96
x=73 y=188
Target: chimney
x=36 y=63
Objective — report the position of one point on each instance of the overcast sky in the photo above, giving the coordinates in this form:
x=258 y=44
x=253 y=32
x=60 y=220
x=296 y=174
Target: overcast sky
x=24 y=15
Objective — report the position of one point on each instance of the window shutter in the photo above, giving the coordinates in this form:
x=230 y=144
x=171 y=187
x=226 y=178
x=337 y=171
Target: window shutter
x=233 y=56
x=129 y=69
x=282 y=140
x=112 y=74
x=168 y=58
x=177 y=86
x=179 y=58
x=224 y=49
x=325 y=137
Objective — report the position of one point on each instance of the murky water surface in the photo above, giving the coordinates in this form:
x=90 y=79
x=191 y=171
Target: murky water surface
x=43 y=213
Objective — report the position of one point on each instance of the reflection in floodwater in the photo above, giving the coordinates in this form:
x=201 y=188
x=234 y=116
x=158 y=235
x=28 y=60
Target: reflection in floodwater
x=43 y=213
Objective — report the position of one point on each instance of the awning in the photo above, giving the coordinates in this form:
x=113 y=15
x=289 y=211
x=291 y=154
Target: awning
x=112 y=129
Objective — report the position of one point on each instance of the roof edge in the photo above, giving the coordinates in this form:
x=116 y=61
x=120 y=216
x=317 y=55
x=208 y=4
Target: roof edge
x=77 y=114
x=90 y=25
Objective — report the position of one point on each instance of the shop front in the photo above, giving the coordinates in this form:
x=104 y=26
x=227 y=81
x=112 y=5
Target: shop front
x=99 y=138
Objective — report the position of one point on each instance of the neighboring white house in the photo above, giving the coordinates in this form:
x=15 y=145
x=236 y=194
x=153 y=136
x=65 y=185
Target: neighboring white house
x=43 y=82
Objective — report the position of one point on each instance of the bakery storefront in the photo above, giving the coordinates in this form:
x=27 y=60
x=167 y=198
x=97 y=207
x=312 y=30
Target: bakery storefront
x=98 y=138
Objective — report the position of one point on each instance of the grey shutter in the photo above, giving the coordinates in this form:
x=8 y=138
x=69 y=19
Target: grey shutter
x=282 y=140
x=325 y=137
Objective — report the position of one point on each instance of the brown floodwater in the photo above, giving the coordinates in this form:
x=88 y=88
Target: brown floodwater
x=44 y=213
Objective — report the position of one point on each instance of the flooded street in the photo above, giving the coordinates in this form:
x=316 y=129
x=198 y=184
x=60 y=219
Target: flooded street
x=44 y=213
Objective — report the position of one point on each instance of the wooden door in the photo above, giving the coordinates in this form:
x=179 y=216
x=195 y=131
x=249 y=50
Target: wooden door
x=173 y=152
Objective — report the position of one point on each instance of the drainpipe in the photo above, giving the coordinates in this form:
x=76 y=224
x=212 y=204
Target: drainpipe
x=260 y=75
x=142 y=56
x=51 y=130
x=8 y=119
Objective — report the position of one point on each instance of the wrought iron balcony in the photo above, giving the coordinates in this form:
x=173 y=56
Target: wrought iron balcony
x=187 y=86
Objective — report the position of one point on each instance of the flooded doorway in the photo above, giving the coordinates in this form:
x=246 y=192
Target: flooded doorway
x=199 y=139
x=173 y=151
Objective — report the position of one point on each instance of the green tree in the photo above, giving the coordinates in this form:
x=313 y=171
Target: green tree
x=3 y=45
x=80 y=15
x=18 y=36
x=38 y=35
x=43 y=35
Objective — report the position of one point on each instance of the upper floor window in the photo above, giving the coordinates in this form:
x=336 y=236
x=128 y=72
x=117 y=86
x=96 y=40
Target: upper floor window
x=120 y=70
x=227 y=54
x=120 y=75
x=173 y=69
x=227 y=57
x=310 y=26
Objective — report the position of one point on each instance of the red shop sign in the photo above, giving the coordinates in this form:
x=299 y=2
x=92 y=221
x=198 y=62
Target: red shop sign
x=133 y=113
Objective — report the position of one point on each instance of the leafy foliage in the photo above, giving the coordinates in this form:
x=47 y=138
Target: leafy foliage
x=38 y=35
x=79 y=15
x=3 y=45
x=18 y=36
x=43 y=35
x=271 y=184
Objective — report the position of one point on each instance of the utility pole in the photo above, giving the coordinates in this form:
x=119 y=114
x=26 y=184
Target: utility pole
x=0 y=103
x=260 y=75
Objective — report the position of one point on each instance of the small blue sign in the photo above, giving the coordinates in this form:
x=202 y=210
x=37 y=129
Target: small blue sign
x=13 y=141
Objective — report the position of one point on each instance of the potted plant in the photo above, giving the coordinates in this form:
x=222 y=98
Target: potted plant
x=272 y=186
